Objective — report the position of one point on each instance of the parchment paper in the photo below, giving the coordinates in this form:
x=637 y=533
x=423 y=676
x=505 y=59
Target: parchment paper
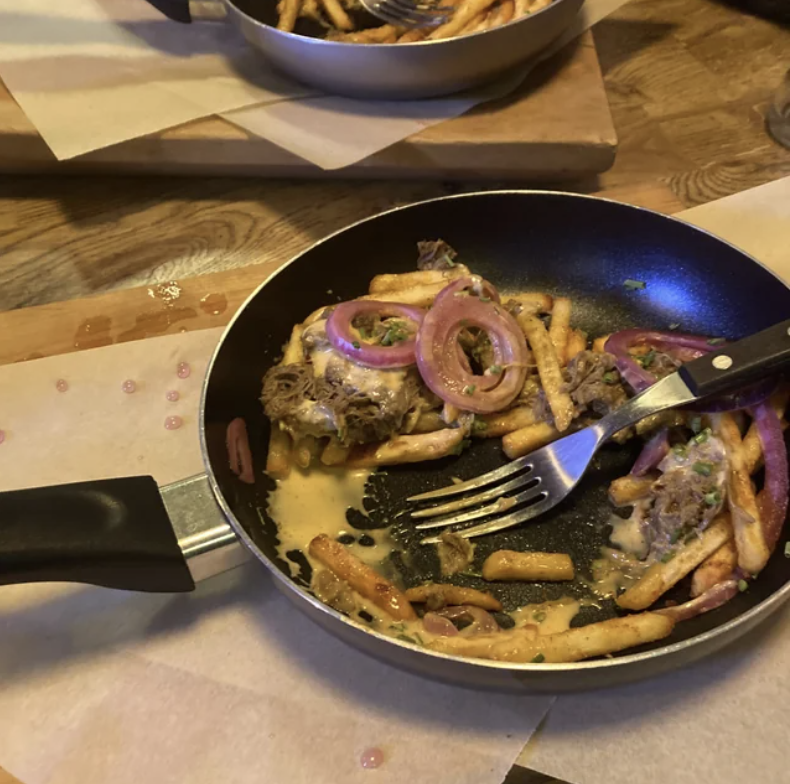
x=91 y=73
x=229 y=684
x=725 y=720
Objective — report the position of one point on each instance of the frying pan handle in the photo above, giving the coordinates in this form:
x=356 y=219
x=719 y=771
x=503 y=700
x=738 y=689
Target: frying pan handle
x=736 y=364
x=117 y=533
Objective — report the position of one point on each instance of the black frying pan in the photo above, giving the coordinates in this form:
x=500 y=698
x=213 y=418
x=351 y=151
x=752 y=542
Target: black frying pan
x=578 y=246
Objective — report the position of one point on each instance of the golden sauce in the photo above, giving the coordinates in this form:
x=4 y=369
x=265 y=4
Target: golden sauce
x=628 y=534
x=308 y=503
x=550 y=617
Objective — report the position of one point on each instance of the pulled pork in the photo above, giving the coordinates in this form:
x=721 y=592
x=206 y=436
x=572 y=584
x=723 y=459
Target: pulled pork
x=435 y=255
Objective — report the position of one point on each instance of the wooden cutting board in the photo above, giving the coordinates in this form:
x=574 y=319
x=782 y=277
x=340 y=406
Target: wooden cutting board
x=557 y=125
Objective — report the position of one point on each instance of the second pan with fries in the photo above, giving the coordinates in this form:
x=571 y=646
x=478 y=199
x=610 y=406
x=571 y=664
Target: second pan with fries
x=581 y=268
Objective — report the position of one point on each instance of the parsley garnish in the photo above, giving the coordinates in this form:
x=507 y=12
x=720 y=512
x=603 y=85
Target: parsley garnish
x=495 y=370
x=742 y=585
x=675 y=536
x=470 y=389
x=713 y=498
x=608 y=378
x=633 y=285
x=647 y=359
x=702 y=437
x=355 y=344
x=478 y=426
x=703 y=469
x=539 y=659
x=667 y=557
x=399 y=627
x=680 y=450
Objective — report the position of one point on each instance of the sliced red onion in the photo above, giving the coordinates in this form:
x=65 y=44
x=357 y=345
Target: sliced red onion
x=772 y=501
x=239 y=454
x=436 y=624
x=653 y=452
x=713 y=598
x=683 y=348
x=340 y=334
x=458 y=288
x=482 y=622
x=438 y=357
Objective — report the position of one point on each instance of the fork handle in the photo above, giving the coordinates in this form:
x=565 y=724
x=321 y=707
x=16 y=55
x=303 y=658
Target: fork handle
x=736 y=364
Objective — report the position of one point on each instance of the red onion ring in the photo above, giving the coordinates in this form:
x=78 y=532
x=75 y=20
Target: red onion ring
x=772 y=500
x=338 y=330
x=482 y=622
x=239 y=454
x=437 y=624
x=713 y=598
x=438 y=360
x=653 y=452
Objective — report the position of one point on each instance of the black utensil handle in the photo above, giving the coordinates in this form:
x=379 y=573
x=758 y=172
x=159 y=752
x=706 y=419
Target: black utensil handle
x=735 y=364
x=177 y=10
x=113 y=532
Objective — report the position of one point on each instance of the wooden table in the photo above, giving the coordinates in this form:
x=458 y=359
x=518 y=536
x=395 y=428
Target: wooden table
x=688 y=82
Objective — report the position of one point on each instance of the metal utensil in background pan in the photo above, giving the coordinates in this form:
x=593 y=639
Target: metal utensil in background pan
x=386 y=71
x=89 y=533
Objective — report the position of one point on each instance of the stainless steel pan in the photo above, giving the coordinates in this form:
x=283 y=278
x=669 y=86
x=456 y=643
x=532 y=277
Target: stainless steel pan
x=121 y=533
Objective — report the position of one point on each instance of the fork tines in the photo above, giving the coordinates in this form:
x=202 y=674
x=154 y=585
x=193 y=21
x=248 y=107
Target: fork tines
x=404 y=13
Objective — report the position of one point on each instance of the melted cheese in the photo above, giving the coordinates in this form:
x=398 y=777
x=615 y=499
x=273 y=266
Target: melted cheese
x=308 y=503
x=629 y=534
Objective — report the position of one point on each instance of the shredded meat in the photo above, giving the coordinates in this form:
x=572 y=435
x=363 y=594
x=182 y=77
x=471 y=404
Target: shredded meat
x=455 y=553
x=663 y=365
x=435 y=255
x=594 y=384
x=285 y=389
x=687 y=499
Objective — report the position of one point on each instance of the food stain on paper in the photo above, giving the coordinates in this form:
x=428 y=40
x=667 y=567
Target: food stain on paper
x=93 y=333
x=214 y=304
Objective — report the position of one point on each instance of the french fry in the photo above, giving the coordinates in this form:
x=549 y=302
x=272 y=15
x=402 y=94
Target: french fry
x=294 y=353
x=500 y=424
x=305 y=450
x=534 y=567
x=549 y=370
x=532 y=302
x=577 y=342
x=528 y=439
x=407 y=449
x=334 y=453
x=599 y=343
x=337 y=15
x=477 y=24
x=523 y=645
x=714 y=569
x=362 y=578
x=453 y=595
x=501 y=14
x=464 y=14
x=628 y=489
x=386 y=34
x=429 y=422
x=288 y=11
x=560 y=328
x=750 y=541
x=412 y=36
x=278 y=460
x=422 y=295
x=661 y=576
x=407 y=280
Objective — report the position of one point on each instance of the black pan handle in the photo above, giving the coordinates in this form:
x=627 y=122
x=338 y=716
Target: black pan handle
x=177 y=10
x=112 y=532
x=736 y=364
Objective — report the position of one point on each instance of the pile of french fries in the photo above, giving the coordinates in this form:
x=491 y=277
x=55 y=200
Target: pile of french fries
x=469 y=16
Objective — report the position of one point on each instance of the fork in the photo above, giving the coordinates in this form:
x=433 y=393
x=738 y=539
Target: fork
x=409 y=13
x=548 y=475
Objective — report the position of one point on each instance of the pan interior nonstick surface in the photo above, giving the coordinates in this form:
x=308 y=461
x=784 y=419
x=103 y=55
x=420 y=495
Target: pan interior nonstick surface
x=580 y=247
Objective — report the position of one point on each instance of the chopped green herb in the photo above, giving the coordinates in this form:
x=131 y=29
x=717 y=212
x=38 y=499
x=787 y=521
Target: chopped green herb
x=703 y=469
x=691 y=537
x=355 y=344
x=470 y=389
x=398 y=627
x=787 y=549
x=696 y=424
x=364 y=333
x=406 y=638
x=702 y=437
x=667 y=557
x=539 y=616
x=742 y=585
x=463 y=445
x=540 y=658
x=675 y=536
x=674 y=326
x=609 y=378
x=447 y=260
x=479 y=426
x=646 y=360
x=471 y=573
x=633 y=285
x=485 y=299
x=713 y=498
x=419 y=639
x=495 y=370
x=716 y=341
x=680 y=450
